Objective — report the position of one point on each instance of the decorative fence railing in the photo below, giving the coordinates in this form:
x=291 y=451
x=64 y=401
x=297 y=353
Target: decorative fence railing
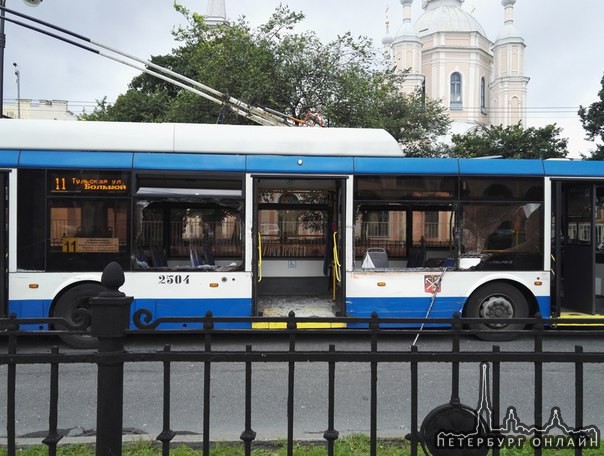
x=449 y=427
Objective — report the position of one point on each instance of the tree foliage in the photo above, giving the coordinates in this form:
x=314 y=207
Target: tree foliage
x=592 y=119
x=417 y=122
x=345 y=80
x=511 y=142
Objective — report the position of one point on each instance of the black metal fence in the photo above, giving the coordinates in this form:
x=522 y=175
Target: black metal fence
x=452 y=428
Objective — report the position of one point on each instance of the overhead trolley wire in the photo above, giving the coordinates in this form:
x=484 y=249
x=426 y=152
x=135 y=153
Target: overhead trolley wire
x=256 y=114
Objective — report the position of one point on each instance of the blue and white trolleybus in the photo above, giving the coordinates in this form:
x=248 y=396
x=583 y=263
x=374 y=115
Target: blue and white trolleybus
x=247 y=221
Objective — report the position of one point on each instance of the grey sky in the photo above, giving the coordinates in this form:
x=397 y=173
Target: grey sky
x=563 y=56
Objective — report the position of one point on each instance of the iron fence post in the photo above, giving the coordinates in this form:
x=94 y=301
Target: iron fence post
x=292 y=327
x=110 y=319
x=208 y=326
x=11 y=392
x=374 y=327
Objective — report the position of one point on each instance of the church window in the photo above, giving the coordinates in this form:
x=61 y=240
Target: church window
x=483 y=96
x=456 y=95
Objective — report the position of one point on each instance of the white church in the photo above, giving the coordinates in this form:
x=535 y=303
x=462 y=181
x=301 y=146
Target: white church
x=449 y=56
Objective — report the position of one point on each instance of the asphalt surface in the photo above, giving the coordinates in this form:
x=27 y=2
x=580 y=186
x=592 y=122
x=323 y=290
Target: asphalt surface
x=143 y=386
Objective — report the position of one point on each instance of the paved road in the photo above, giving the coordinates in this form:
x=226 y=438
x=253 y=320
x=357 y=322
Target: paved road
x=143 y=389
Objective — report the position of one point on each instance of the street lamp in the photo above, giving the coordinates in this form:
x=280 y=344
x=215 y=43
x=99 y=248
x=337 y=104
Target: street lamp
x=18 y=74
x=3 y=45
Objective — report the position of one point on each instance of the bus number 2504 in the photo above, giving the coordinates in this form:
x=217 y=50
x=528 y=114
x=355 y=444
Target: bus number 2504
x=174 y=279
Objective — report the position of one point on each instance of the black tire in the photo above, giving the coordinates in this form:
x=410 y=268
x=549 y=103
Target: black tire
x=77 y=298
x=497 y=300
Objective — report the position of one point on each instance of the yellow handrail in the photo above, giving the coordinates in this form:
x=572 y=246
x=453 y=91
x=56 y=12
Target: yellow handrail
x=259 y=257
x=336 y=260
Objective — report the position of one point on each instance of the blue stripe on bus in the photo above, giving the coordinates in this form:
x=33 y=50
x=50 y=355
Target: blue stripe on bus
x=186 y=162
x=40 y=308
x=299 y=164
x=9 y=158
x=75 y=159
x=544 y=303
x=30 y=308
x=499 y=167
x=395 y=165
x=195 y=308
x=444 y=307
x=310 y=164
x=398 y=307
x=574 y=168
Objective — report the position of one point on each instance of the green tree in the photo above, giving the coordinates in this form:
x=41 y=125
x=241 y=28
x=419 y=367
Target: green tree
x=513 y=141
x=417 y=122
x=347 y=81
x=592 y=119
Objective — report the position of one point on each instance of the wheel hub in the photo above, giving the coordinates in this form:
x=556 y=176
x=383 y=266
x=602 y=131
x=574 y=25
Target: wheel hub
x=497 y=307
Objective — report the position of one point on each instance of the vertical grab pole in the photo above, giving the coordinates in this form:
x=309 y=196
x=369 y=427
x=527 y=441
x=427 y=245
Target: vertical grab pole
x=336 y=265
x=336 y=260
x=259 y=257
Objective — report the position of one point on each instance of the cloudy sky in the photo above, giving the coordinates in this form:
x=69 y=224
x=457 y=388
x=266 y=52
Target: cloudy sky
x=564 y=59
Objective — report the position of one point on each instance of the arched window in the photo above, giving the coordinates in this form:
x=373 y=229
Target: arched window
x=456 y=95
x=483 y=96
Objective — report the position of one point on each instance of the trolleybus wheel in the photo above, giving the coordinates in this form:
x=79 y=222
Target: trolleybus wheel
x=497 y=300
x=73 y=299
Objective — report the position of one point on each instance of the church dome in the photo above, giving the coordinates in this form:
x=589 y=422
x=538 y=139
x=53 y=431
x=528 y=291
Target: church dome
x=509 y=32
x=446 y=16
x=407 y=32
x=387 y=40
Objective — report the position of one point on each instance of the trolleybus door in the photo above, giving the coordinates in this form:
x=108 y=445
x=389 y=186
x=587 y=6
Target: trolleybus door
x=297 y=240
x=3 y=243
x=579 y=274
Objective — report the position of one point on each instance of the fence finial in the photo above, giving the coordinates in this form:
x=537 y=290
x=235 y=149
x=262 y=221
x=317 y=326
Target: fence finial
x=113 y=278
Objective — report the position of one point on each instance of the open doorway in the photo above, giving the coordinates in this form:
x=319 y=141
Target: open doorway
x=578 y=247
x=298 y=236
